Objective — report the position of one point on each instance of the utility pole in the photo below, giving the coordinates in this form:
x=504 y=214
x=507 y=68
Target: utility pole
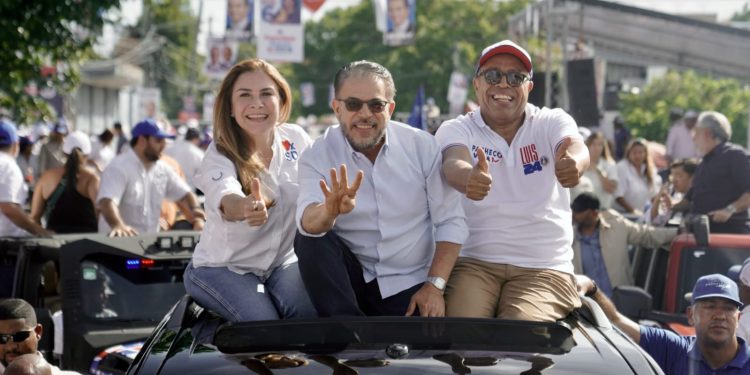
x=191 y=86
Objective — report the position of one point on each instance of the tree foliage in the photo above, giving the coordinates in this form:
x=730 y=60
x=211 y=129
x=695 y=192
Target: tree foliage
x=444 y=27
x=39 y=33
x=173 y=68
x=647 y=113
x=743 y=15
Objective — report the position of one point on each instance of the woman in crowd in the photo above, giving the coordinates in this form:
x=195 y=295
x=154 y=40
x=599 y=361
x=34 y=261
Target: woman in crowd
x=244 y=267
x=602 y=171
x=65 y=196
x=638 y=181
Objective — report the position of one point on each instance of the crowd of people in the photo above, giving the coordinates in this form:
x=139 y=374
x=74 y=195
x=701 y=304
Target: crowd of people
x=492 y=217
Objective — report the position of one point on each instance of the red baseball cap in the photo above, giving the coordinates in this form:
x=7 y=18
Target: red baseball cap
x=506 y=46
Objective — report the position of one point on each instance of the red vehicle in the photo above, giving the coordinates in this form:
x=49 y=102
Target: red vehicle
x=665 y=276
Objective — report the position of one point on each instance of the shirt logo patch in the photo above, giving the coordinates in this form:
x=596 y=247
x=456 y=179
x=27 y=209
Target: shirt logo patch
x=290 y=151
x=493 y=156
x=530 y=159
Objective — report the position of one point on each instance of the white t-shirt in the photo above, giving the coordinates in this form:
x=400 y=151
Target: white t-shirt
x=609 y=170
x=138 y=192
x=634 y=187
x=189 y=156
x=743 y=330
x=102 y=154
x=525 y=220
x=680 y=144
x=235 y=244
x=13 y=189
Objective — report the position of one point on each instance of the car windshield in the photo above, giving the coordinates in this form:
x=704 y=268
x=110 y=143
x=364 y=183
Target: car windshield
x=130 y=289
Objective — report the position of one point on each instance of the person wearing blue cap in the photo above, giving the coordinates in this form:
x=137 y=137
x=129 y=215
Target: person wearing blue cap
x=51 y=154
x=14 y=221
x=715 y=349
x=135 y=182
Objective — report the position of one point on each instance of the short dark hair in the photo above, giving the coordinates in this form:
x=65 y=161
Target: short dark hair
x=16 y=308
x=118 y=125
x=687 y=165
x=585 y=201
x=191 y=134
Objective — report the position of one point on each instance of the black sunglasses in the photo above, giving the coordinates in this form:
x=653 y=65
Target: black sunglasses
x=494 y=77
x=20 y=336
x=354 y=104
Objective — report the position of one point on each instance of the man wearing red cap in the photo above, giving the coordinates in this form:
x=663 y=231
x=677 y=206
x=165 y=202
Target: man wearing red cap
x=514 y=162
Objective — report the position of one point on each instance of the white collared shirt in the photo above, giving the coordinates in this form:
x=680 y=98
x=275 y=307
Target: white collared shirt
x=403 y=205
x=634 y=187
x=525 y=219
x=189 y=156
x=13 y=189
x=138 y=192
x=680 y=144
x=236 y=245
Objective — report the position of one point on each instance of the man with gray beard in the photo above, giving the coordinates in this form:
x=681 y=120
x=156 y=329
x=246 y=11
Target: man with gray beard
x=391 y=251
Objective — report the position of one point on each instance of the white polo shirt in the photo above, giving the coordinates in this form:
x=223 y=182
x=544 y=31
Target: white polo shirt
x=138 y=192
x=403 y=205
x=235 y=244
x=12 y=190
x=525 y=220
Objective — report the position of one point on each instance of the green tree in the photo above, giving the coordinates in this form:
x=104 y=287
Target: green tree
x=34 y=34
x=172 y=68
x=743 y=15
x=444 y=27
x=647 y=113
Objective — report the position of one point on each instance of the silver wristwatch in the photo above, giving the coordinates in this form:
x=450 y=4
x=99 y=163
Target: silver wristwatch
x=437 y=281
x=731 y=208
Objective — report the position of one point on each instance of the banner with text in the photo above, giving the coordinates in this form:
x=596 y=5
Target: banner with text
x=280 y=31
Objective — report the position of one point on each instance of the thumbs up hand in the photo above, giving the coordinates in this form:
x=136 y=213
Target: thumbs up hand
x=256 y=213
x=480 y=181
x=566 y=168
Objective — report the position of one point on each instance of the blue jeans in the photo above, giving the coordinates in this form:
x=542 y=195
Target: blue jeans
x=240 y=298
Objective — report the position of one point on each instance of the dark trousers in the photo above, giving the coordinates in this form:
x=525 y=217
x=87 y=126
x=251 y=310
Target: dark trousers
x=333 y=279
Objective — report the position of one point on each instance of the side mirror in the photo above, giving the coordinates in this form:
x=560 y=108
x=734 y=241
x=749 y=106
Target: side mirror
x=632 y=301
x=699 y=226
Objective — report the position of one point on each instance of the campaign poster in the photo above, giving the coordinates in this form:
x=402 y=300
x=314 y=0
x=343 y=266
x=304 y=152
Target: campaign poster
x=150 y=99
x=222 y=55
x=240 y=19
x=280 y=31
x=401 y=22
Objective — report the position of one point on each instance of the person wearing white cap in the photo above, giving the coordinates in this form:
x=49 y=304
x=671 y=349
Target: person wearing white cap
x=514 y=162
x=65 y=196
x=51 y=154
x=741 y=275
x=14 y=221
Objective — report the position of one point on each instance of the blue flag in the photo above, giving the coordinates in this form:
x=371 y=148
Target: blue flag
x=417 y=118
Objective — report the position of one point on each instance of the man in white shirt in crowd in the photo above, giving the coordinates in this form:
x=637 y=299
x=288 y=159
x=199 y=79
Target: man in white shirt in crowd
x=188 y=154
x=391 y=251
x=680 y=143
x=134 y=184
x=514 y=162
x=14 y=220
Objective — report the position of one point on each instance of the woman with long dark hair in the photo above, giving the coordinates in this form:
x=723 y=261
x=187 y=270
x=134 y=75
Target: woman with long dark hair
x=64 y=197
x=244 y=267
